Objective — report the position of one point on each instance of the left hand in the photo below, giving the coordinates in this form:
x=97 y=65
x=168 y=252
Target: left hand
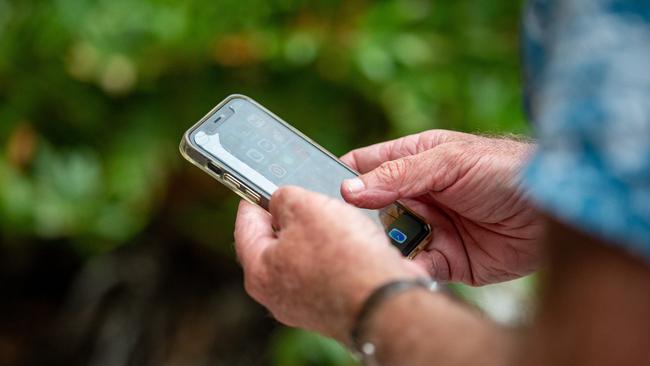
x=319 y=266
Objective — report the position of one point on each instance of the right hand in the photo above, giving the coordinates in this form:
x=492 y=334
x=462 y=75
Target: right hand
x=467 y=188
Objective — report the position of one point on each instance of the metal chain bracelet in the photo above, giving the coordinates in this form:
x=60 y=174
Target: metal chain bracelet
x=363 y=350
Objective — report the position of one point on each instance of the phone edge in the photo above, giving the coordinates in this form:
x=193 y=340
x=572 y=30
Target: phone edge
x=187 y=150
x=192 y=154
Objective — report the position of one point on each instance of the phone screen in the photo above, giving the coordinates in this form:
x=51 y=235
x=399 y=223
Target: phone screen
x=267 y=153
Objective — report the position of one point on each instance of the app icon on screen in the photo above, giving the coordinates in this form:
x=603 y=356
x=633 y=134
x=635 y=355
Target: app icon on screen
x=278 y=136
x=397 y=235
x=277 y=170
x=255 y=155
x=256 y=120
x=266 y=145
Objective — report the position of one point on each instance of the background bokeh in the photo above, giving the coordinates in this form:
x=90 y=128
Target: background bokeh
x=115 y=251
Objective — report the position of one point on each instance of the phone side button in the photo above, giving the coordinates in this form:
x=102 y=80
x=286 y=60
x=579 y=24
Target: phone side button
x=231 y=182
x=252 y=195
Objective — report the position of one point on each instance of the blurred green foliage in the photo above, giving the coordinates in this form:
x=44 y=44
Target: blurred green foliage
x=94 y=96
x=294 y=347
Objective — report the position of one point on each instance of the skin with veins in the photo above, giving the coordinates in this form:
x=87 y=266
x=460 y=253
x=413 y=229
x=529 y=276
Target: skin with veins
x=467 y=188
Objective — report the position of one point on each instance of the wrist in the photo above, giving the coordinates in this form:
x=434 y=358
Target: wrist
x=380 y=297
x=395 y=329
x=420 y=328
x=366 y=285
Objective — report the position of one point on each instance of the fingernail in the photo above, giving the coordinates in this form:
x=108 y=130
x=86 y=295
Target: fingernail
x=354 y=185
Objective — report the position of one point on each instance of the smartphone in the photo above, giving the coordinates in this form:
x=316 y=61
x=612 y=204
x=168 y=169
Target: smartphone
x=253 y=152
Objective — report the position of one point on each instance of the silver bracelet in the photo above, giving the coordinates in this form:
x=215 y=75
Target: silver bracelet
x=365 y=351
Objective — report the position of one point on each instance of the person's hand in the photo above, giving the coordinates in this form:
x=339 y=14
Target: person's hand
x=467 y=188
x=322 y=262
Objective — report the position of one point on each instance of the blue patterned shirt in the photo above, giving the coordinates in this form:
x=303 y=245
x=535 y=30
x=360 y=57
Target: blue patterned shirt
x=588 y=95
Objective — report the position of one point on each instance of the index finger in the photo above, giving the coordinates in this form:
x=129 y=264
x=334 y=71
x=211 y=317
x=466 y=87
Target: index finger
x=291 y=205
x=253 y=233
x=370 y=157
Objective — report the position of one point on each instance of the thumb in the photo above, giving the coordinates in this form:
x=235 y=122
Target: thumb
x=408 y=177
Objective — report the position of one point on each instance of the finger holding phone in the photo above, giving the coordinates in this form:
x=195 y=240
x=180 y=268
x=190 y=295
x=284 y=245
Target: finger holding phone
x=254 y=152
x=467 y=187
x=320 y=264
x=316 y=259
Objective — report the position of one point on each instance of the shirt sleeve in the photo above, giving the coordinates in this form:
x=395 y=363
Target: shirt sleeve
x=589 y=99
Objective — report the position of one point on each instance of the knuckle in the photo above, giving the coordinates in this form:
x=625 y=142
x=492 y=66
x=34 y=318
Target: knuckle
x=448 y=164
x=239 y=233
x=429 y=139
x=283 y=202
x=295 y=207
x=251 y=287
x=425 y=141
x=254 y=284
x=281 y=195
x=287 y=197
x=351 y=155
x=450 y=153
x=392 y=171
x=461 y=153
